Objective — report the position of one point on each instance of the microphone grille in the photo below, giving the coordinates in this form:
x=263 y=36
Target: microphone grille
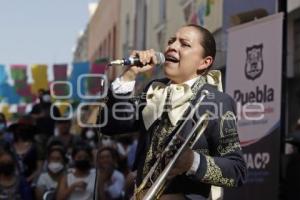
x=160 y=58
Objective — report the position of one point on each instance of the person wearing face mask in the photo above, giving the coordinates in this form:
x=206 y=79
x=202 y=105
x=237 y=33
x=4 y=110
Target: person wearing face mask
x=165 y=104
x=42 y=107
x=12 y=184
x=79 y=182
x=90 y=136
x=48 y=181
x=41 y=112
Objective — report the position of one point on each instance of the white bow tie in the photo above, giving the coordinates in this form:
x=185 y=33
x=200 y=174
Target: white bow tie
x=180 y=95
x=156 y=97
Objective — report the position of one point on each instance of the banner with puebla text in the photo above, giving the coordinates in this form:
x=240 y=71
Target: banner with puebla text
x=253 y=79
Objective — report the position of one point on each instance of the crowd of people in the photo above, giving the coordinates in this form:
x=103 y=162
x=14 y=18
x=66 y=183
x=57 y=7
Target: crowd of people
x=40 y=158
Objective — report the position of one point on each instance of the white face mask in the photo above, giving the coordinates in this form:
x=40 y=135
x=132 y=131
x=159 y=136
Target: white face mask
x=56 y=131
x=107 y=142
x=90 y=134
x=55 y=167
x=46 y=98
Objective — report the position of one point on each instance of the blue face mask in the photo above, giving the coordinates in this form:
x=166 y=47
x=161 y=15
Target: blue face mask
x=2 y=126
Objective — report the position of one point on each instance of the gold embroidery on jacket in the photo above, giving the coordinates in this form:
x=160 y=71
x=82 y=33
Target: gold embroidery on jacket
x=214 y=175
x=229 y=140
x=202 y=151
x=228 y=124
x=230 y=147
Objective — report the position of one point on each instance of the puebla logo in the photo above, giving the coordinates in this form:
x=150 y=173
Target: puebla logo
x=254 y=62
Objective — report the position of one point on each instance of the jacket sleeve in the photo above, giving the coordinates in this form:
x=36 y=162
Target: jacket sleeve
x=123 y=113
x=119 y=114
x=223 y=164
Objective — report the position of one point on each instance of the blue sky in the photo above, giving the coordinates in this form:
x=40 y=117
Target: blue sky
x=40 y=31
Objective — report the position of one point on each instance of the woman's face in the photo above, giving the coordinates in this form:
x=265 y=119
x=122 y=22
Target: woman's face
x=106 y=159
x=82 y=161
x=184 y=55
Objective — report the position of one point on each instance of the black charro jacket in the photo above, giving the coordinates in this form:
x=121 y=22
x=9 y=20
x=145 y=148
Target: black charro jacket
x=221 y=159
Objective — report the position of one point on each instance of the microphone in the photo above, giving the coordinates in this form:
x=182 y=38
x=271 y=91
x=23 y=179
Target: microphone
x=136 y=60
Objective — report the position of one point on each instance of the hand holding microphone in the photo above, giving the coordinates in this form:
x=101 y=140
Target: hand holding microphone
x=136 y=59
x=140 y=61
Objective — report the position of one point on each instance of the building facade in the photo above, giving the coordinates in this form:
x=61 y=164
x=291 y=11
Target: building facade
x=80 y=53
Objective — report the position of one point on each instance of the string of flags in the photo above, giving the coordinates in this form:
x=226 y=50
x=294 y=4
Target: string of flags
x=17 y=94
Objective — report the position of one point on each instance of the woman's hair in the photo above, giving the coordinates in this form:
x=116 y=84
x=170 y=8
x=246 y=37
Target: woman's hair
x=207 y=42
x=82 y=146
x=55 y=142
x=112 y=151
x=58 y=149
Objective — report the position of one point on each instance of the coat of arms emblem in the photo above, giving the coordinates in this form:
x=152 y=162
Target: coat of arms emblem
x=254 y=62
